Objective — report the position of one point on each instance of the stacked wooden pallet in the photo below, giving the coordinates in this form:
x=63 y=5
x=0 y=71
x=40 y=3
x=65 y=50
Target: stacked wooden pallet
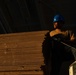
x=21 y=53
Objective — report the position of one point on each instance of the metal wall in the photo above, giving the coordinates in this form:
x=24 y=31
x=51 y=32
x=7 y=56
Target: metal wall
x=18 y=16
x=64 y=7
x=34 y=15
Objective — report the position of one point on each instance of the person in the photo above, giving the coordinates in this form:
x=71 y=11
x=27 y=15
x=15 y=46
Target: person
x=53 y=49
x=58 y=23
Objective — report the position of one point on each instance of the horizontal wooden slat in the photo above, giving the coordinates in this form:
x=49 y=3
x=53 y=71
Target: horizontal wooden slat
x=22 y=73
x=20 y=68
x=29 y=39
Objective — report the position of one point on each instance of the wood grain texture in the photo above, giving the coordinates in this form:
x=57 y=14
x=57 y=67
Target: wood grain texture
x=21 y=53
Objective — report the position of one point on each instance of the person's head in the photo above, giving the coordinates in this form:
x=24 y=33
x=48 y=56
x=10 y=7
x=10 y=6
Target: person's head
x=58 y=21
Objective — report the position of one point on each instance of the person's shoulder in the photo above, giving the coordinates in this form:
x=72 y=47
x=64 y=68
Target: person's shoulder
x=69 y=31
x=52 y=33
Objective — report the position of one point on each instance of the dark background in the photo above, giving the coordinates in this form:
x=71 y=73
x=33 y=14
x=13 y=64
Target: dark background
x=34 y=15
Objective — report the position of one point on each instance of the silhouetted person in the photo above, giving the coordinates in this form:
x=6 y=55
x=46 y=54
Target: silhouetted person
x=53 y=50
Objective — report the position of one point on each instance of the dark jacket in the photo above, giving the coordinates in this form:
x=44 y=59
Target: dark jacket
x=55 y=50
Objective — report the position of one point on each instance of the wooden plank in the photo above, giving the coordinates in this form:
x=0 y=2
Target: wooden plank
x=15 y=40
x=14 y=68
x=22 y=73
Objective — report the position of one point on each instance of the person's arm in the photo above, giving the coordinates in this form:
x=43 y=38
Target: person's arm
x=72 y=38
